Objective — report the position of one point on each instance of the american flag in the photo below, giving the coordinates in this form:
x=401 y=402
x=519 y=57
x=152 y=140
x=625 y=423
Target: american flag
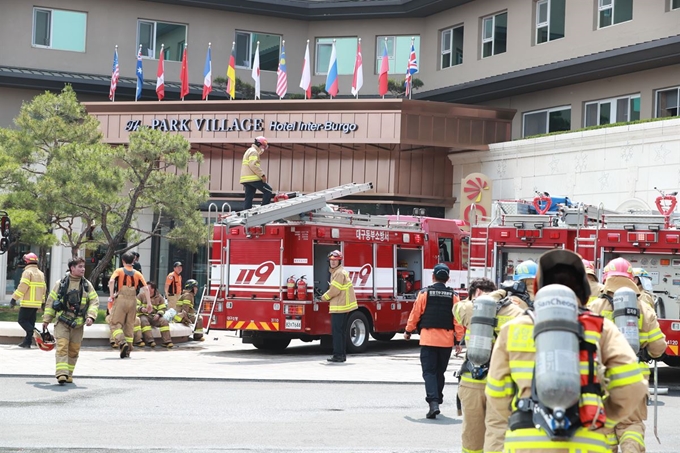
x=282 y=79
x=411 y=69
x=115 y=73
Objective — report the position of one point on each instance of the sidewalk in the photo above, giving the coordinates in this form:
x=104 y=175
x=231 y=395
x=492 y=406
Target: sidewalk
x=223 y=357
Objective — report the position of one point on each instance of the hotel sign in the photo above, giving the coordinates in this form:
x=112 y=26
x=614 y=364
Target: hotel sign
x=239 y=125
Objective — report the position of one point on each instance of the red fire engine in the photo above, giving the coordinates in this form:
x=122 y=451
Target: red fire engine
x=520 y=230
x=269 y=268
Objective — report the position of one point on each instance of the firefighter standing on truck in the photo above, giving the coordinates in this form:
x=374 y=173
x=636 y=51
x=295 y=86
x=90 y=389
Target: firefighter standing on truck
x=472 y=376
x=342 y=301
x=72 y=303
x=252 y=175
x=173 y=285
x=186 y=314
x=618 y=274
x=432 y=318
x=124 y=285
x=31 y=294
x=516 y=377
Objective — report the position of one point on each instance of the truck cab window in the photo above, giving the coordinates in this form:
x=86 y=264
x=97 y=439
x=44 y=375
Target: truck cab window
x=445 y=250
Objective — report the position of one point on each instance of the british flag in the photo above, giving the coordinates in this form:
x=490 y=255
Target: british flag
x=411 y=69
x=115 y=74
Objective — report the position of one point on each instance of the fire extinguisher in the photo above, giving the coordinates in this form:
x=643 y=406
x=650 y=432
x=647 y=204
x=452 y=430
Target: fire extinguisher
x=290 y=286
x=302 y=288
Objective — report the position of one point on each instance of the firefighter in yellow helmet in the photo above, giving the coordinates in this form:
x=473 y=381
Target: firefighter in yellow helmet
x=72 y=304
x=618 y=273
x=644 y=283
x=595 y=285
x=513 y=379
x=186 y=314
x=472 y=378
x=252 y=175
x=31 y=294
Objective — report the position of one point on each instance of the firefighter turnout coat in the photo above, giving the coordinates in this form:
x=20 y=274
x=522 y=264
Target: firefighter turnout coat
x=340 y=294
x=471 y=390
x=186 y=314
x=510 y=378
x=31 y=290
x=251 y=171
x=630 y=433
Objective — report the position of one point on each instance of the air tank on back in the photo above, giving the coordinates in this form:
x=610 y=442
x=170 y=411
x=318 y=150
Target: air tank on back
x=482 y=326
x=558 y=381
x=626 y=316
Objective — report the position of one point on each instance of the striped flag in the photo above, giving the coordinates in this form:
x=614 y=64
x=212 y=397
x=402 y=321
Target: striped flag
x=281 y=78
x=358 y=79
x=411 y=69
x=115 y=74
x=207 y=75
x=231 y=72
x=332 y=76
x=160 y=76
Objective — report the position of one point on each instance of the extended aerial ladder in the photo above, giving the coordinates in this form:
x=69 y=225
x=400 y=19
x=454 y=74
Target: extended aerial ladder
x=296 y=205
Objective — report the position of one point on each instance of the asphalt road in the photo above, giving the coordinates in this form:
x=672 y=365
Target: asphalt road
x=105 y=415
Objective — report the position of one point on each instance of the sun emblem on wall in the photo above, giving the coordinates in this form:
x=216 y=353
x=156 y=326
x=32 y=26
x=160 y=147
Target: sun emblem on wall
x=474 y=187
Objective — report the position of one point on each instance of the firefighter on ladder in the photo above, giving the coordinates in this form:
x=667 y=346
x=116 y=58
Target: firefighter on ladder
x=651 y=342
x=252 y=175
x=472 y=377
x=549 y=411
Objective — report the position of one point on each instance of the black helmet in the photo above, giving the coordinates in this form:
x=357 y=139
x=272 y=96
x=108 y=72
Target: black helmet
x=191 y=284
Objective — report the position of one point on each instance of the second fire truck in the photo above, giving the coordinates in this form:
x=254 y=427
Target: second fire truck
x=521 y=230
x=269 y=268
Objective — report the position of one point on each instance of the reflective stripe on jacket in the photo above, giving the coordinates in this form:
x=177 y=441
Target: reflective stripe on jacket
x=32 y=288
x=250 y=166
x=91 y=299
x=340 y=294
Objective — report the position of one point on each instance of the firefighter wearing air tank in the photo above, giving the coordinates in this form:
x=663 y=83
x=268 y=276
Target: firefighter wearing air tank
x=595 y=285
x=71 y=304
x=644 y=283
x=186 y=314
x=483 y=319
x=537 y=386
x=637 y=321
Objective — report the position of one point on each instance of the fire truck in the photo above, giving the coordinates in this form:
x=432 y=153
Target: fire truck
x=269 y=267
x=521 y=230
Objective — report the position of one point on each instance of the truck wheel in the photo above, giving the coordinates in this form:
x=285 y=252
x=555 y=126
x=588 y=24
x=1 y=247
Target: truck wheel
x=272 y=344
x=357 y=332
x=383 y=336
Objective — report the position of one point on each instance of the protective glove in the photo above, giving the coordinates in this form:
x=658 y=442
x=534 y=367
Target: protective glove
x=13 y=303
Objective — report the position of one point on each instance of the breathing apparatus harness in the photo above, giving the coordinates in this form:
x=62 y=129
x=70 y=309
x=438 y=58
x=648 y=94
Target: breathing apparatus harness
x=69 y=303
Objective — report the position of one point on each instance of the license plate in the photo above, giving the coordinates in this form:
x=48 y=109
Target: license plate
x=293 y=324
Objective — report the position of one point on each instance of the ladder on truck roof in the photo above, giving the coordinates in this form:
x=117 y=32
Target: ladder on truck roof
x=361 y=220
x=272 y=212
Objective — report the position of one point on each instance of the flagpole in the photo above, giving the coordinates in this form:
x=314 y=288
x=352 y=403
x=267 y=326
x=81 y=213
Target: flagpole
x=138 y=54
x=113 y=98
x=336 y=59
x=162 y=47
x=186 y=44
x=383 y=96
x=356 y=96
x=283 y=43
x=209 y=44
x=410 y=79
x=233 y=45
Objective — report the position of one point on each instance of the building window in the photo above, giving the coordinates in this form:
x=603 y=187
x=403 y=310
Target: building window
x=346 y=53
x=545 y=121
x=609 y=111
x=549 y=20
x=270 y=50
x=452 y=47
x=494 y=34
x=675 y=4
x=667 y=102
x=398 y=51
x=614 y=12
x=152 y=35
x=59 y=30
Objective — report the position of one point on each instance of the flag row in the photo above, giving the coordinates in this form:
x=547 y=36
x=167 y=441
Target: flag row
x=331 y=87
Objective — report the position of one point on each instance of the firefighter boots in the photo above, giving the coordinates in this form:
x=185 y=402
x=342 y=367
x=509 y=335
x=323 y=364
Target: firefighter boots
x=124 y=350
x=152 y=344
x=336 y=359
x=24 y=345
x=62 y=379
x=434 y=410
x=69 y=380
x=169 y=345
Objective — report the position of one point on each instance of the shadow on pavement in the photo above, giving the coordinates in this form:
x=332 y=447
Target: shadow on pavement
x=55 y=387
x=440 y=420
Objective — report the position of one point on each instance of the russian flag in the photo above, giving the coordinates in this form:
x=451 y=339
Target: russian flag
x=332 y=76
